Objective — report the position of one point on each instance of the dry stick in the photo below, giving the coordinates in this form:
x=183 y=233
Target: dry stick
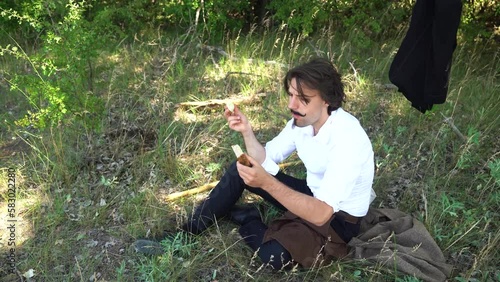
x=192 y=191
x=213 y=102
x=449 y=121
x=355 y=72
x=209 y=186
x=289 y=164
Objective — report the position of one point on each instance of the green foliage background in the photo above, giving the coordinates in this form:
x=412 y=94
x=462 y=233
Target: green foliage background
x=65 y=34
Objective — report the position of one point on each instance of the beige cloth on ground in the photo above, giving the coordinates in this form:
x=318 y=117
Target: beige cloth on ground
x=398 y=241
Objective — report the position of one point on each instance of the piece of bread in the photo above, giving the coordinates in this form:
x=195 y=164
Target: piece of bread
x=241 y=157
x=230 y=107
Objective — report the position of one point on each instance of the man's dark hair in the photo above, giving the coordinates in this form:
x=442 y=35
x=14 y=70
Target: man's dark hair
x=318 y=74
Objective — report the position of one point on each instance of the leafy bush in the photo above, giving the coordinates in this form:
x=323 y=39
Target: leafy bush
x=211 y=17
x=481 y=18
x=375 y=18
x=371 y=16
x=302 y=16
x=65 y=33
x=58 y=82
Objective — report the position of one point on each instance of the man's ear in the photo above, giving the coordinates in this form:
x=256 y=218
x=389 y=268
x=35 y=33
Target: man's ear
x=328 y=109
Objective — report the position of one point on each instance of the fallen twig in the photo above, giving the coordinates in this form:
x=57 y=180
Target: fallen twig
x=192 y=191
x=211 y=185
x=213 y=49
x=283 y=165
x=216 y=102
x=355 y=72
x=449 y=121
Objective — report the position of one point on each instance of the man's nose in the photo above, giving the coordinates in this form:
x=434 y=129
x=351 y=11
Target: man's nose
x=292 y=102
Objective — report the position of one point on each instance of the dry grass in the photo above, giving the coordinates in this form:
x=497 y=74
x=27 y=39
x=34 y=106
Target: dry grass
x=85 y=193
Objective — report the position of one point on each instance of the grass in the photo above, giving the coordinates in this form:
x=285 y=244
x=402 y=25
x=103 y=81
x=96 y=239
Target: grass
x=87 y=190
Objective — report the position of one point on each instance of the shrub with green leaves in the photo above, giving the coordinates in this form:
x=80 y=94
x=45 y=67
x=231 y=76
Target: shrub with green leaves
x=58 y=83
x=371 y=17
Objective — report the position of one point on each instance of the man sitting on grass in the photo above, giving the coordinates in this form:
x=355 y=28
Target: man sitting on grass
x=323 y=211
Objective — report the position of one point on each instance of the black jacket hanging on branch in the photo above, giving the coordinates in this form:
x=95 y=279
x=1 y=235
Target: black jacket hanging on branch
x=421 y=67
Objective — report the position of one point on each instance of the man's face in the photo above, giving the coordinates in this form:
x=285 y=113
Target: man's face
x=309 y=110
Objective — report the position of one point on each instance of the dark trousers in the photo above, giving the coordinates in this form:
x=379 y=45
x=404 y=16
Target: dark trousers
x=228 y=191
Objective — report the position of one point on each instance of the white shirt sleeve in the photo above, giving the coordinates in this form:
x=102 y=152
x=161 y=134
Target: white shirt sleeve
x=279 y=148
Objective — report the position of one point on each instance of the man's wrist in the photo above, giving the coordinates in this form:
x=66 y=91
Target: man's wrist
x=247 y=133
x=270 y=183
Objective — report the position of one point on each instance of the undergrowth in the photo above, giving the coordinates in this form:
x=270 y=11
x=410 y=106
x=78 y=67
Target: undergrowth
x=87 y=188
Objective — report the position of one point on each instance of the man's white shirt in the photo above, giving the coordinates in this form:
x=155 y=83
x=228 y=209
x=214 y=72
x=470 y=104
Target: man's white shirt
x=339 y=161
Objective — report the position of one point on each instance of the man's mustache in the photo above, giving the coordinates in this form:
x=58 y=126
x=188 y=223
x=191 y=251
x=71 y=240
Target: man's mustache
x=297 y=113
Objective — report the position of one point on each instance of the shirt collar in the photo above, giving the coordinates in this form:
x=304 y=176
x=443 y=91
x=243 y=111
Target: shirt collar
x=325 y=130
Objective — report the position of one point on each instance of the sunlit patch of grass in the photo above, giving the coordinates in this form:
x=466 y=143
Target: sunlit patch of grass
x=16 y=205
